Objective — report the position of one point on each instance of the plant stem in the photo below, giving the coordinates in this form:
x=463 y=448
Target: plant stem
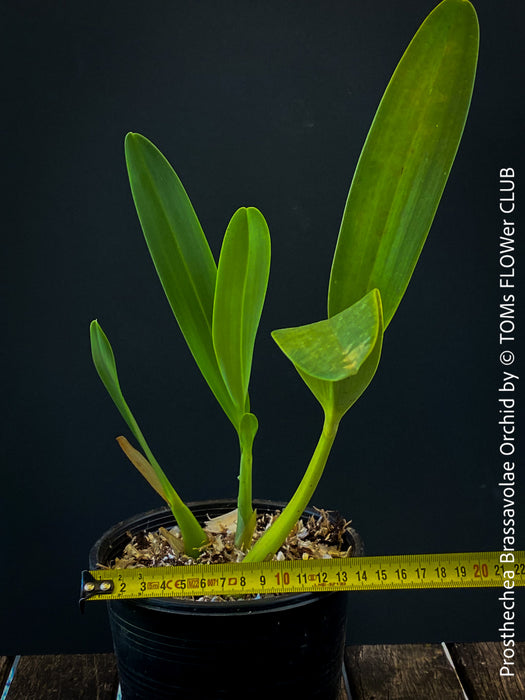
x=192 y=533
x=274 y=537
x=245 y=514
x=244 y=498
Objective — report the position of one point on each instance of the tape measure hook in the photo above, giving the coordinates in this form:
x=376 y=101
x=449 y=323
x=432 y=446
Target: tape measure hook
x=90 y=586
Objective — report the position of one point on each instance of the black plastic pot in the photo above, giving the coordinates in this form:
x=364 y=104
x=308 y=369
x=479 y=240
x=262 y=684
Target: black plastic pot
x=289 y=646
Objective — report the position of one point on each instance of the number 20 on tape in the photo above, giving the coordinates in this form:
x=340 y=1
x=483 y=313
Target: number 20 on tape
x=472 y=569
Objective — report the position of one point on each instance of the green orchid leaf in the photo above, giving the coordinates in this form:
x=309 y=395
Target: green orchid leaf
x=104 y=361
x=180 y=253
x=335 y=348
x=338 y=357
x=242 y=279
x=337 y=397
x=346 y=392
x=406 y=160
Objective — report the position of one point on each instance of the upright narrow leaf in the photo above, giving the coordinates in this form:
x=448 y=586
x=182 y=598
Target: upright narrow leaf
x=180 y=253
x=242 y=279
x=104 y=361
x=406 y=160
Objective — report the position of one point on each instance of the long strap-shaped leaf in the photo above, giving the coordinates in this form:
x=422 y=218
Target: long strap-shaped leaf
x=180 y=253
x=406 y=160
x=242 y=279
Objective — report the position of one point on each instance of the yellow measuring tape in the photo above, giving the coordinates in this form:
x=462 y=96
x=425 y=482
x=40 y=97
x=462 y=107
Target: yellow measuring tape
x=465 y=570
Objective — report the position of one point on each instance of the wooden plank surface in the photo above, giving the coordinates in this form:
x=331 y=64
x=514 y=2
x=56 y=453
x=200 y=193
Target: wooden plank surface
x=68 y=677
x=401 y=672
x=65 y=677
x=478 y=666
x=397 y=672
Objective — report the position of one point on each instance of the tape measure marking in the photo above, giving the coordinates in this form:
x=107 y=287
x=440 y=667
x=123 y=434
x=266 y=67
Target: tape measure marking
x=464 y=570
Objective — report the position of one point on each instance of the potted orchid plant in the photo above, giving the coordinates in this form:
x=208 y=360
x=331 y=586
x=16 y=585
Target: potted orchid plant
x=394 y=194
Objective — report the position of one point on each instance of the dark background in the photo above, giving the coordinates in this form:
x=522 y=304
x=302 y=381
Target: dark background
x=254 y=103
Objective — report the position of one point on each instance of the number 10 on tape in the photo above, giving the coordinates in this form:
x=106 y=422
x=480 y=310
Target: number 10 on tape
x=465 y=570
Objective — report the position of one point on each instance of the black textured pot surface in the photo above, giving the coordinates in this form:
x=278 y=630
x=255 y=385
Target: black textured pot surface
x=289 y=646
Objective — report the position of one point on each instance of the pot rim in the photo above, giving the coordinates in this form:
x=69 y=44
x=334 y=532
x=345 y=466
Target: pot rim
x=152 y=519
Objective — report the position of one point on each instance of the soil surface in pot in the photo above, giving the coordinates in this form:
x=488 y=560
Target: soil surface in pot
x=320 y=536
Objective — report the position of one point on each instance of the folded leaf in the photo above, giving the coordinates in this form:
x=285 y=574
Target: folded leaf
x=406 y=160
x=180 y=253
x=346 y=392
x=242 y=279
x=334 y=348
x=337 y=357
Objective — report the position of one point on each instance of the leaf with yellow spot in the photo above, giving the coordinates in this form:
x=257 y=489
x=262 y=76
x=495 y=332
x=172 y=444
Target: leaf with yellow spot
x=330 y=352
